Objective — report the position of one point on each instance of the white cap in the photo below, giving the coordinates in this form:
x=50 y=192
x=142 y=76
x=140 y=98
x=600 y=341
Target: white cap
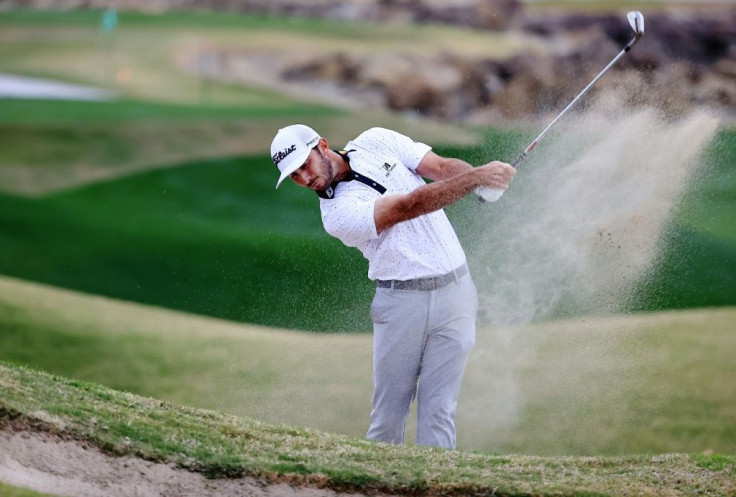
x=290 y=148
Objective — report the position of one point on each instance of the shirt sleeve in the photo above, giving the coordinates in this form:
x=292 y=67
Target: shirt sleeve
x=349 y=218
x=408 y=151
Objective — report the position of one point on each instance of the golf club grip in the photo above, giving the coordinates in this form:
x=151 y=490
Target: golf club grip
x=518 y=160
x=488 y=194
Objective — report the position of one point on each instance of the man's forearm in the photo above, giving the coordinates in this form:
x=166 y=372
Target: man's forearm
x=425 y=199
x=444 y=168
x=441 y=193
x=453 y=167
x=430 y=197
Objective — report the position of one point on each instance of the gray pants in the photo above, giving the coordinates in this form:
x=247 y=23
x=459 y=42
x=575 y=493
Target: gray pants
x=421 y=343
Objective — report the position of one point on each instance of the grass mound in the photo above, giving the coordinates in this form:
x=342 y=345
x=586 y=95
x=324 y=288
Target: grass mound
x=13 y=491
x=166 y=197
x=214 y=237
x=643 y=384
x=218 y=445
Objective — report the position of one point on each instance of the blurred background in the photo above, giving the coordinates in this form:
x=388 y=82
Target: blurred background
x=134 y=166
x=135 y=134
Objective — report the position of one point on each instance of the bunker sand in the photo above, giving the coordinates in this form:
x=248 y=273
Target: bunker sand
x=51 y=464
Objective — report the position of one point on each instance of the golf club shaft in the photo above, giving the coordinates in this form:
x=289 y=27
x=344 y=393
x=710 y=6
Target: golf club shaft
x=492 y=194
x=533 y=144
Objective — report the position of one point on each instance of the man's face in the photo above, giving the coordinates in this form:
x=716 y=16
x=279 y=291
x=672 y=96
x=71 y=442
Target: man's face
x=316 y=173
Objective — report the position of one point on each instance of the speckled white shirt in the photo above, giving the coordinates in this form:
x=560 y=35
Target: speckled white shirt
x=417 y=248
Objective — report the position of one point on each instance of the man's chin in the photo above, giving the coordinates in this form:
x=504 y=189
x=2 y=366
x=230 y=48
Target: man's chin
x=317 y=186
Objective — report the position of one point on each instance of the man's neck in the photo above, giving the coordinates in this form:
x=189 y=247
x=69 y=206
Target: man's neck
x=342 y=167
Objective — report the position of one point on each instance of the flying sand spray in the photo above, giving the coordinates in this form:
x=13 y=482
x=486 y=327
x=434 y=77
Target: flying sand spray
x=636 y=21
x=601 y=209
x=602 y=205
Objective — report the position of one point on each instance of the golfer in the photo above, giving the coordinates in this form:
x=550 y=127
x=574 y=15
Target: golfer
x=373 y=197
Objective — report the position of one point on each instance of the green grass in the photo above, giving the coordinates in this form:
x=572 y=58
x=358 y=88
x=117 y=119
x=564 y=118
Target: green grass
x=219 y=445
x=697 y=263
x=209 y=237
x=57 y=112
x=55 y=145
x=214 y=237
x=204 y=238
x=206 y=232
x=52 y=145
x=164 y=200
x=629 y=385
x=698 y=268
x=12 y=491
x=190 y=359
x=323 y=32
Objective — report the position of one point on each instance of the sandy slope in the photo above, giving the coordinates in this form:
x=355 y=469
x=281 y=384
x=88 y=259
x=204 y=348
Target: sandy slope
x=50 y=464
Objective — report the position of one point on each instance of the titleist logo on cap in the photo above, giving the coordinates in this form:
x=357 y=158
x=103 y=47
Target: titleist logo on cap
x=279 y=156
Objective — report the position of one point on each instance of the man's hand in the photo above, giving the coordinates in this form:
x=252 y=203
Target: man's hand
x=496 y=174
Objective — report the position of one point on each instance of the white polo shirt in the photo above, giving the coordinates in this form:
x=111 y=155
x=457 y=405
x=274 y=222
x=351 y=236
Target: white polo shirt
x=417 y=248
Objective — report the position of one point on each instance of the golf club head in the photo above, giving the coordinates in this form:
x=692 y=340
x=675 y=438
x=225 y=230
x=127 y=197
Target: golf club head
x=636 y=20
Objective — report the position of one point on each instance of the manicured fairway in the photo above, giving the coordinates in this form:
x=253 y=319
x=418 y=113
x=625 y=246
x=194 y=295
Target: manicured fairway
x=629 y=385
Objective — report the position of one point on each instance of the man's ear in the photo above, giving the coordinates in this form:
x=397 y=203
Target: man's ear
x=323 y=146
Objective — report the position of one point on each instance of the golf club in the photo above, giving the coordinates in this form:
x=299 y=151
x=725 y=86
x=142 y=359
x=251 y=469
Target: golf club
x=636 y=20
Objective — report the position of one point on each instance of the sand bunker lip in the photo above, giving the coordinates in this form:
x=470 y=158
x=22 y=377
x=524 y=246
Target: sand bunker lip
x=58 y=465
x=21 y=87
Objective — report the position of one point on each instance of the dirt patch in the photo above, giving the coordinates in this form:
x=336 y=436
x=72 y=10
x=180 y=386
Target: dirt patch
x=51 y=464
x=12 y=86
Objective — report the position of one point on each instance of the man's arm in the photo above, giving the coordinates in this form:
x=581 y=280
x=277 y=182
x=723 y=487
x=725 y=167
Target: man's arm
x=454 y=179
x=437 y=168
